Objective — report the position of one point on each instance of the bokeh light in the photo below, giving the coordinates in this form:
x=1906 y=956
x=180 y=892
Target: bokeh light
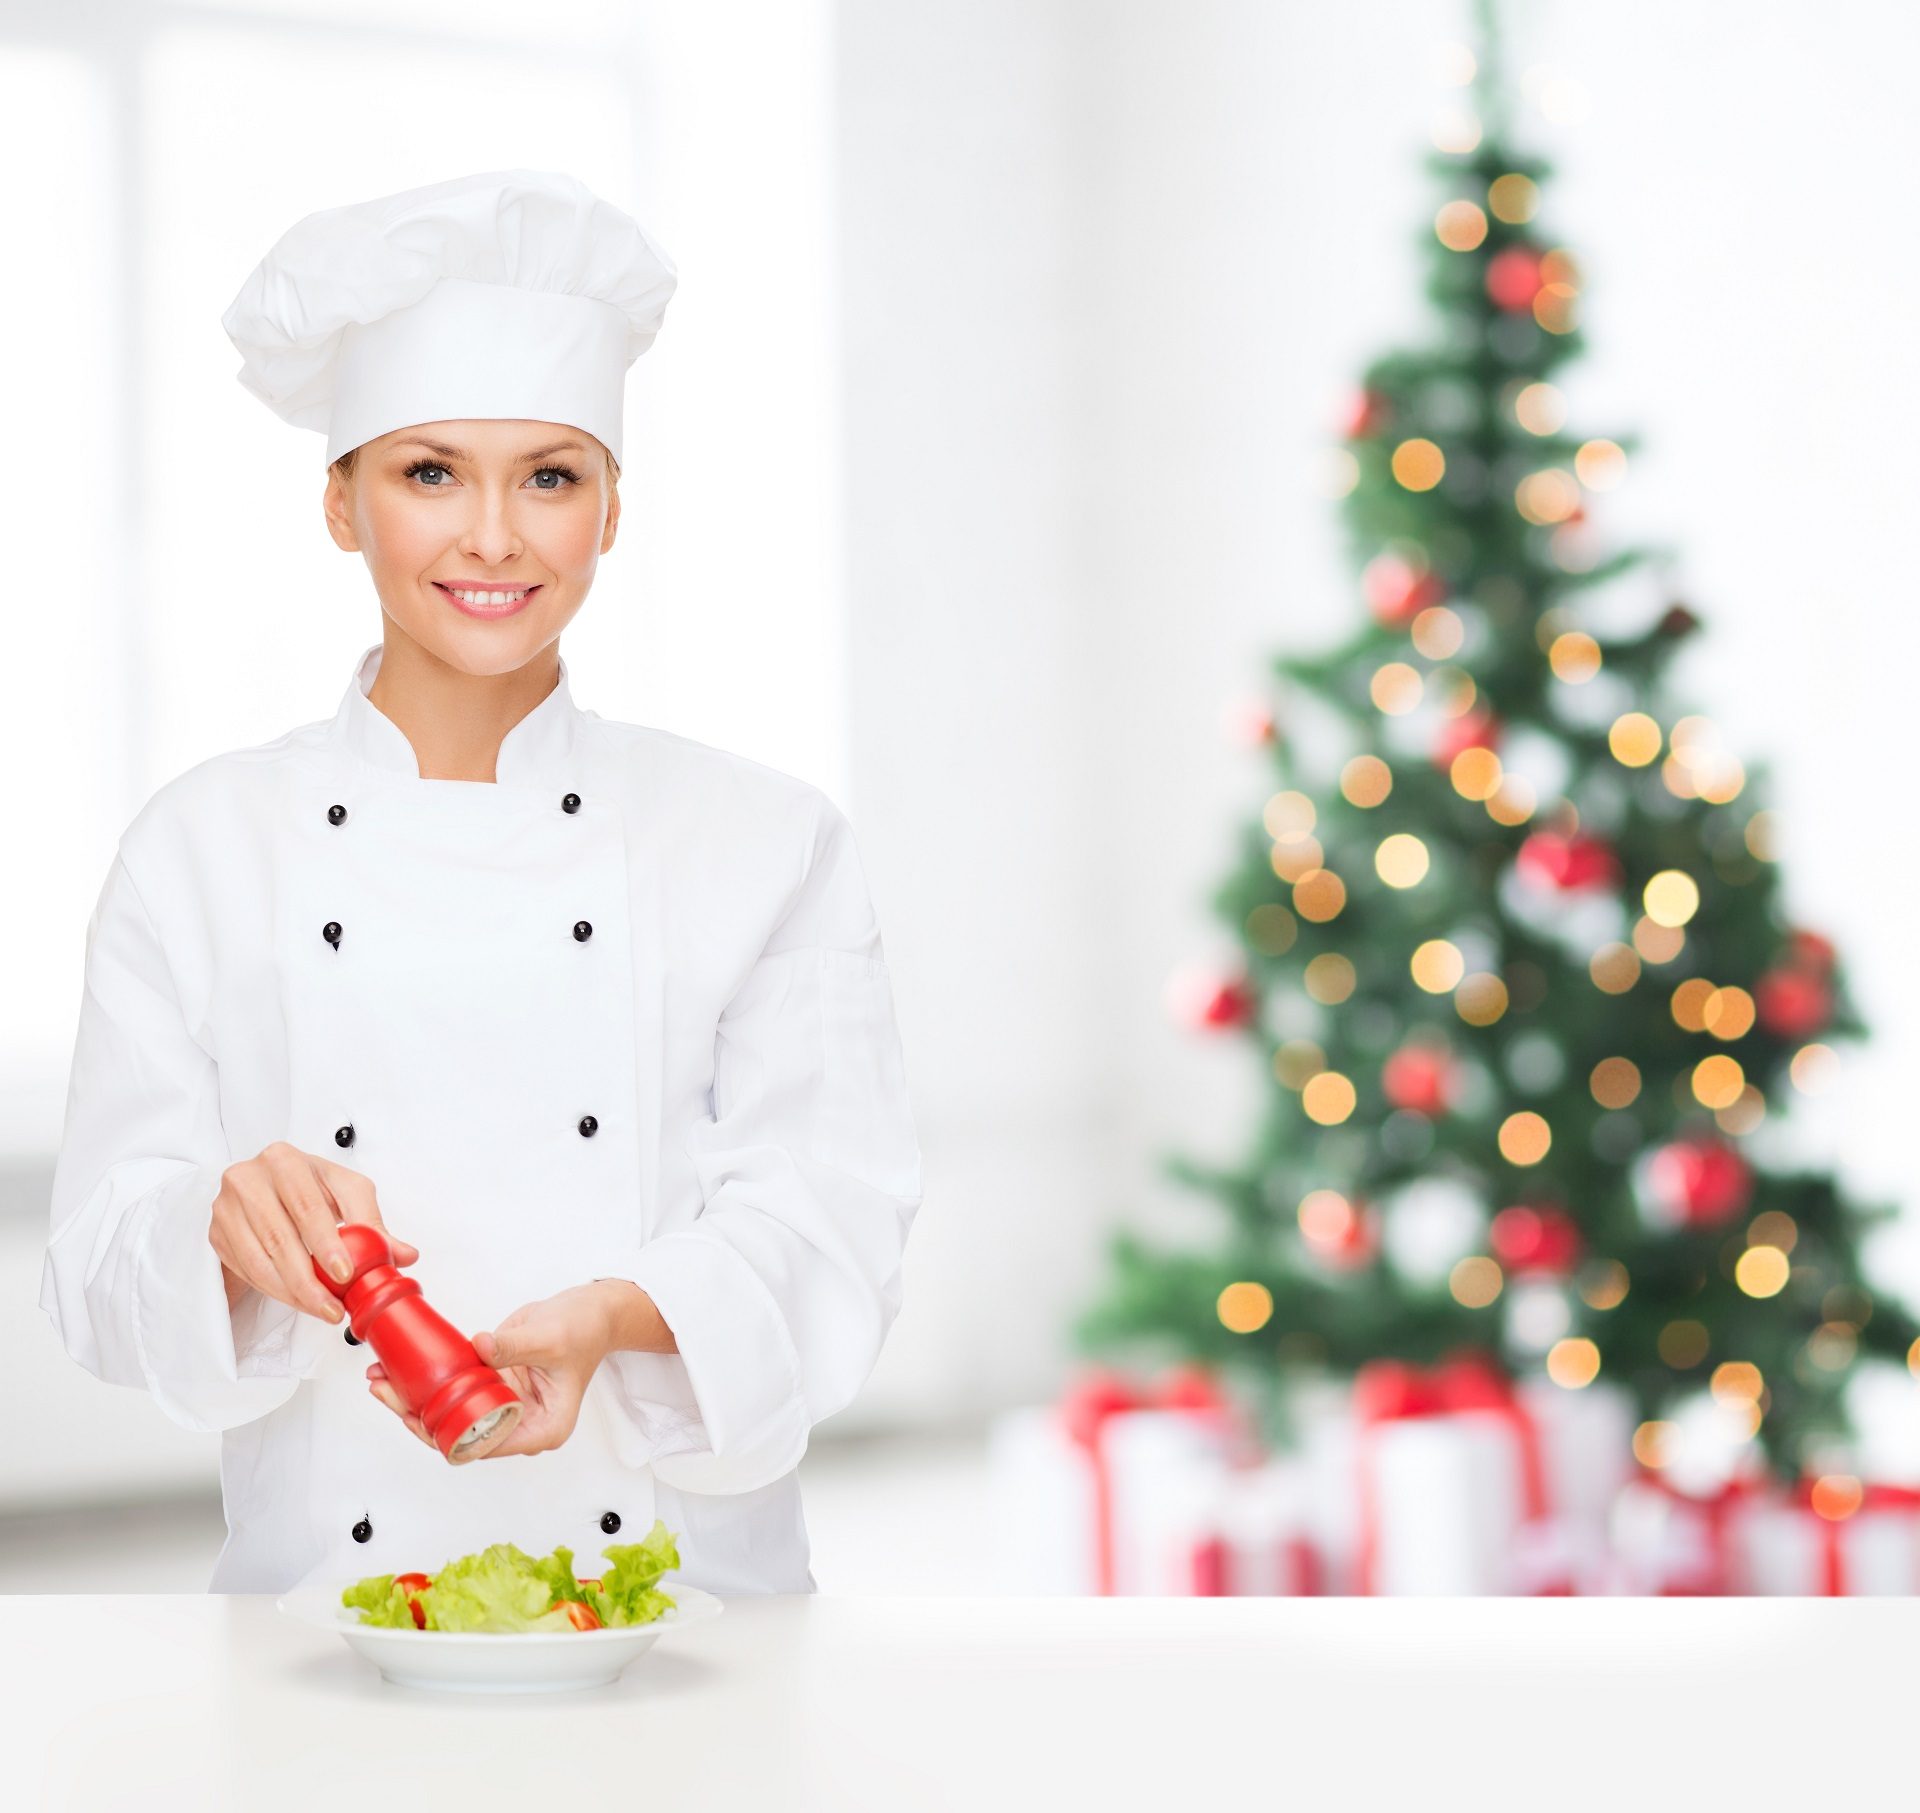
x=1401 y=860
x=1615 y=968
x=1319 y=895
x=1671 y=898
x=1683 y=1343
x=1438 y=633
x=1475 y=1281
x=1396 y=688
x=1718 y=1080
x=1328 y=1098
x=1481 y=998
x=1330 y=978
x=1634 y=739
x=1438 y=966
x=1245 y=1307
x=1366 y=780
x=1615 y=1082
x=1525 y=1138
x=1476 y=773
x=1418 y=464
x=1762 y=1271
x=1573 y=1362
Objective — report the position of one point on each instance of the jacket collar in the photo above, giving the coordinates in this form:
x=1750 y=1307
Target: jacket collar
x=539 y=750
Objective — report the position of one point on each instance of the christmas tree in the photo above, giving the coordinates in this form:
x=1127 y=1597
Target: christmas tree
x=1512 y=954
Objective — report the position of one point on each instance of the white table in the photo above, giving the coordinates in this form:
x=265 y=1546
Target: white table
x=914 y=1705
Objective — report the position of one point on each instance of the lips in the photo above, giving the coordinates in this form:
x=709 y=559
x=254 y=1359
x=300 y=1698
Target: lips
x=504 y=609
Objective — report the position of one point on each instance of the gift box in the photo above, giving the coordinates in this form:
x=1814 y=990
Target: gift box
x=1115 y=1489
x=1837 y=1538
x=1260 y=1538
x=1459 y=1480
x=1670 y=1541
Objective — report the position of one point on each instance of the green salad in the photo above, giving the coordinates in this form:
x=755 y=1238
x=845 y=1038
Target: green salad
x=503 y=1588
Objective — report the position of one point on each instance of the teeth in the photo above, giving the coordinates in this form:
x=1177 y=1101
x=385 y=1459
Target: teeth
x=487 y=599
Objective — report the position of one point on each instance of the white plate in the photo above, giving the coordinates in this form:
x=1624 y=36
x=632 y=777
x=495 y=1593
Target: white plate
x=473 y=1661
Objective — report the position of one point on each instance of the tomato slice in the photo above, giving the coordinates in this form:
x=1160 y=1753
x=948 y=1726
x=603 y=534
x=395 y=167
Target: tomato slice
x=582 y=1617
x=594 y=1582
x=413 y=1585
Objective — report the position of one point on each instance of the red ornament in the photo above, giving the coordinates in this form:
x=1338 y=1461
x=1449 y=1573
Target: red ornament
x=1249 y=723
x=1476 y=729
x=1543 y=1239
x=1699 y=1182
x=1341 y=1234
x=1368 y=412
x=1231 y=1004
x=1808 y=950
x=466 y=1406
x=1419 y=1079
x=1208 y=1001
x=1514 y=278
x=1396 y=591
x=1568 y=863
x=1793 y=1003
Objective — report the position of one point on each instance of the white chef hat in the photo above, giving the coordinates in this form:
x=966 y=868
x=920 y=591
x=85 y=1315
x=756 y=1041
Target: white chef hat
x=509 y=293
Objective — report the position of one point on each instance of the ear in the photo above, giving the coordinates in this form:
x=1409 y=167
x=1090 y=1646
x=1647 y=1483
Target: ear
x=334 y=505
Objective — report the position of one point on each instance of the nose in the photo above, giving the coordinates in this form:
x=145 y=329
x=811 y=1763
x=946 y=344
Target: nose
x=490 y=537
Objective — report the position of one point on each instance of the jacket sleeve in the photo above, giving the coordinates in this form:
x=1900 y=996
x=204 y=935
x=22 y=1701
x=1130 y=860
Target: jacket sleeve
x=131 y=1281
x=782 y=1290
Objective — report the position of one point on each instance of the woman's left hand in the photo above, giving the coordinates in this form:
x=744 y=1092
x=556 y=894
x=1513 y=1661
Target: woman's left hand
x=548 y=1352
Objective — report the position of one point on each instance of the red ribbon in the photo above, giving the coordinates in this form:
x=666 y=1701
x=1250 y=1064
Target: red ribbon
x=1874 y=1496
x=1213 y=1571
x=1716 y=1509
x=1469 y=1380
x=1100 y=1395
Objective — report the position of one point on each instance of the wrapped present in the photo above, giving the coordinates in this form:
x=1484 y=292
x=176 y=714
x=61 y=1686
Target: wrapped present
x=1113 y=1490
x=1452 y=1487
x=1670 y=1541
x=1260 y=1539
x=1835 y=1537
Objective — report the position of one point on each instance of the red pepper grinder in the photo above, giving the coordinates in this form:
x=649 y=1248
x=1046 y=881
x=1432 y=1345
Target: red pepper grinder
x=432 y=1366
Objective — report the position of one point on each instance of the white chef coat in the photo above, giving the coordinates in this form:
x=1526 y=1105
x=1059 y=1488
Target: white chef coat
x=622 y=1012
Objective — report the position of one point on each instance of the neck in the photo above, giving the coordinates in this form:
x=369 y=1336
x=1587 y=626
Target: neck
x=456 y=721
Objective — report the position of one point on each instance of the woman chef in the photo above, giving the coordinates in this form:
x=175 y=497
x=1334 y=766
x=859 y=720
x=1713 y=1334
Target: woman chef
x=594 y=1018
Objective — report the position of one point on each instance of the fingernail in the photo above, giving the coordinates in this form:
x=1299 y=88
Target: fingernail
x=341 y=1267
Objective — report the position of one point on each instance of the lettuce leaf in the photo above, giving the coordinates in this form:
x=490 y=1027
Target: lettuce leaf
x=499 y=1589
x=628 y=1594
x=379 y=1601
x=503 y=1588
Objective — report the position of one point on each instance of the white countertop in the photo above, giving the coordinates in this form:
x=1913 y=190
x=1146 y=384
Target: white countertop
x=912 y=1705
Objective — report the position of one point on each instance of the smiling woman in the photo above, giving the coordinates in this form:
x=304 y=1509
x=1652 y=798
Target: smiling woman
x=600 y=1013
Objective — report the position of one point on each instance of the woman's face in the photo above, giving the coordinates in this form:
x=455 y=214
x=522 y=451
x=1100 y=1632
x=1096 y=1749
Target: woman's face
x=493 y=506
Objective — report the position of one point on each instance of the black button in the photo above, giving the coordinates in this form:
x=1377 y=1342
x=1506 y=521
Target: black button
x=571 y=803
x=589 y=1126
x=582 y=930
x=353 y=1340
x=363 y=1531
x=610 y=1522
x=331 y=932
x=343 y=1136
x=336 y=814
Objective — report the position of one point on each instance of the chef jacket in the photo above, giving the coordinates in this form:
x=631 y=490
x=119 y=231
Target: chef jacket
x=622 y=1012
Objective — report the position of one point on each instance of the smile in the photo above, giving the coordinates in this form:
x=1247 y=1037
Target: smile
x=488 y=601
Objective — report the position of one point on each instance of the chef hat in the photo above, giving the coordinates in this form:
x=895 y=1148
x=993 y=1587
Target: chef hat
x=510 y=293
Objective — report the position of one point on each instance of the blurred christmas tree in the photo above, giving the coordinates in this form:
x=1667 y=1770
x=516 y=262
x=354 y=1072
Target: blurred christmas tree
x=1514 y=963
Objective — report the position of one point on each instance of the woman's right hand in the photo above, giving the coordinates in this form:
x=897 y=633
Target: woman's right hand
x=277 y=1213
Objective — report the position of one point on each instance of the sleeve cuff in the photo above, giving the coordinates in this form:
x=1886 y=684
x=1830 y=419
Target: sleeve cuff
x=209 y=1367
x=740 y=1366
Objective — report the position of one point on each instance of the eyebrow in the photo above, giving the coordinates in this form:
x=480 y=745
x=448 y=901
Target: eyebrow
x=460 y=453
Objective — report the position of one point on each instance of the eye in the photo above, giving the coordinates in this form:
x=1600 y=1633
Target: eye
x=566 y=473
x=420 y=466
